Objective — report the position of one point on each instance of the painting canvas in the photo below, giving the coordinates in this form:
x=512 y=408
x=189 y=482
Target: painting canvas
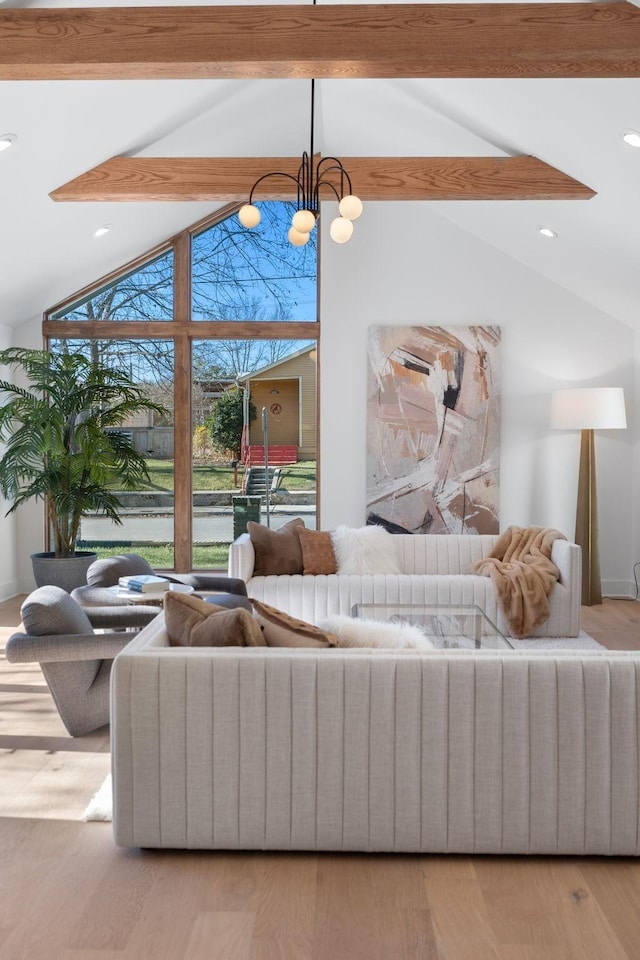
x=433 y=429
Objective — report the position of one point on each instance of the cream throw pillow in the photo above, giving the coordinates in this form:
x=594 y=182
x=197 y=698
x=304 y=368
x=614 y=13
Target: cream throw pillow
x=365 y=550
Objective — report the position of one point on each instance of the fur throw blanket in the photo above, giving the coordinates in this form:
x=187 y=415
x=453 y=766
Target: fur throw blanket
x=523 y=575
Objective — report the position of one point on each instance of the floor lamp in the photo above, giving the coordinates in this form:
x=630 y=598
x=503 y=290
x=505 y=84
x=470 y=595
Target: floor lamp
x=588 y=409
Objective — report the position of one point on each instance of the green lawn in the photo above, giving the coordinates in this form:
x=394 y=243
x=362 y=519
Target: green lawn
x=205 y=476
x=160 y=555
x=297 y=476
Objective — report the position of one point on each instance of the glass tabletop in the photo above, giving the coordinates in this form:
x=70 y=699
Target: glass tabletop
x=461 y=626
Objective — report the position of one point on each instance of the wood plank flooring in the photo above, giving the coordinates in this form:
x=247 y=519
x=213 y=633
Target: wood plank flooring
x=67 y=893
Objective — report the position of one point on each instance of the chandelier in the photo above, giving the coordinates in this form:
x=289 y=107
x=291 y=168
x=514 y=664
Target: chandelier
x=314 y=175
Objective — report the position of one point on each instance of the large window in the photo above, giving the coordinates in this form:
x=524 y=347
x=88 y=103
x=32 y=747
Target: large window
x=220 y=327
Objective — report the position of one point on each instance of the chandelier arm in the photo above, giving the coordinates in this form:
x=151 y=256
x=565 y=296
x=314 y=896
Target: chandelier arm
x=316 y=191
x=337 y=165
x=275 y=173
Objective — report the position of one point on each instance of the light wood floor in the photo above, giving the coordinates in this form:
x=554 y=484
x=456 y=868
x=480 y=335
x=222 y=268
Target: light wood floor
x=67 y=893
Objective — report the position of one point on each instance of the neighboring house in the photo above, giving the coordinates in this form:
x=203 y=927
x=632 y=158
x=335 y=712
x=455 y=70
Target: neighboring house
x=158 y=440
x=148 y=439
x=287 y=389
x=205 y=394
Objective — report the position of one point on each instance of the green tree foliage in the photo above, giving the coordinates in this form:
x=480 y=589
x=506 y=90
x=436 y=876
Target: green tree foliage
x=62 y=441
x=226 y=422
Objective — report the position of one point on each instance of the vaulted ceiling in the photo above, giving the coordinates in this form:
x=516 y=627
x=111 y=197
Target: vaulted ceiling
x=562 y=97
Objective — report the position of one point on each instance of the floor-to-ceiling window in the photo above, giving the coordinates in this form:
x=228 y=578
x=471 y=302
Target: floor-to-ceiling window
x=219 y=326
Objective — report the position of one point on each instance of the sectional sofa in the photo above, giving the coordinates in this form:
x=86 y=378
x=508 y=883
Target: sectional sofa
x=446 y=752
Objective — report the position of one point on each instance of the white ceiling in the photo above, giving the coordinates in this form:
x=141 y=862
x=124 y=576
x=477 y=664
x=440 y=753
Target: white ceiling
x=66 y=127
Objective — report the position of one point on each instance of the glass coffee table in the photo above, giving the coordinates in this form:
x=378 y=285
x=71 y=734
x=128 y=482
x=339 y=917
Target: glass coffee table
x=463 y=626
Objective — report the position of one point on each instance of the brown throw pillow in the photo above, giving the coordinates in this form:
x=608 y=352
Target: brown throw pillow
x=277 y=551
x=317 y=552
x=192 y=622
x=281 y=630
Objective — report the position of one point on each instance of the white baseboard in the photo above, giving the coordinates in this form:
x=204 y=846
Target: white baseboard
x=8 y=589
x=622 y=589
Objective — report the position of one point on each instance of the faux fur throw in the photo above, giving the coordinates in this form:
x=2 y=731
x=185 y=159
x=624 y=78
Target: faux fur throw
x=523 y=575
x=356 y=632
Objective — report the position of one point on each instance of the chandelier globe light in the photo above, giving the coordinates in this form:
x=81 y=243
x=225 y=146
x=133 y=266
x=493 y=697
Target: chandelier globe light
x=341 y=230
x=303 y=220
x=314 y=175
x=350 y=207
x=297 y=238
x=249 y=216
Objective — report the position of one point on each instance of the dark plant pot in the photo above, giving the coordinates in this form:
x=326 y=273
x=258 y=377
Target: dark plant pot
x=65 y=572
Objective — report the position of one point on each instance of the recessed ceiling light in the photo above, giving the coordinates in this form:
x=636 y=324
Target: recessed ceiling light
x=632 y=137
x=547 y=232
x=7 y=140
x=101 y=231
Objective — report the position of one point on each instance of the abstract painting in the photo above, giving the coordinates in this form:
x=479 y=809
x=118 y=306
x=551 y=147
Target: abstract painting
x=433 y=429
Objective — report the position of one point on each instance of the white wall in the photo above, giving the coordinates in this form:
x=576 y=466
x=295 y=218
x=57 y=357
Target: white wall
x=407 y=265
x=633 y=417
x=8 y=525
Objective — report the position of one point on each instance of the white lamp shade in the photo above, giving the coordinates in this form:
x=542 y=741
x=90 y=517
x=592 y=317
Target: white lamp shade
x=588 y=408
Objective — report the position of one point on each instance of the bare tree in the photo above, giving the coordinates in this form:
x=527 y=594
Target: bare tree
x=241 y=274
x=234 y=358
x=237 y=275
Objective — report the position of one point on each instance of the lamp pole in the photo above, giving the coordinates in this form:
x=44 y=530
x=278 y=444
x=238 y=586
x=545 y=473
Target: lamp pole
x=587 y=521
x=588 y=409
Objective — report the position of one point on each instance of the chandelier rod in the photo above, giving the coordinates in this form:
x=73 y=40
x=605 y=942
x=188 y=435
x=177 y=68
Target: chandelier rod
x=309 y=185
x=313 y=96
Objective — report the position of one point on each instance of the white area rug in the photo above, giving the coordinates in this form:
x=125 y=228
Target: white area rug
x=581 y=642
x=100 y=806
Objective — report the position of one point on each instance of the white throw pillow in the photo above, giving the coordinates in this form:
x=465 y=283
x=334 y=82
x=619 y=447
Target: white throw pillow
x=365 y=550
x=375 y=633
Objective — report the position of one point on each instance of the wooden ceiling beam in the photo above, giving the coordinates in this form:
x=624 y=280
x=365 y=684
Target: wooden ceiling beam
x=373 y=178
x=327 y=40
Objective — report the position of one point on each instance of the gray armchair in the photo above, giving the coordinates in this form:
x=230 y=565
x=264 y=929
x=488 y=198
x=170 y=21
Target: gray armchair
x=105 y=609
x=75 y=661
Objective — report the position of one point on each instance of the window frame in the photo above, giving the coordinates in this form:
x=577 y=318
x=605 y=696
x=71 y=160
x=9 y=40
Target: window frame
x=182 y=330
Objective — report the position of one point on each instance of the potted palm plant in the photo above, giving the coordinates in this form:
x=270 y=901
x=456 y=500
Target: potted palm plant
x=62 y=448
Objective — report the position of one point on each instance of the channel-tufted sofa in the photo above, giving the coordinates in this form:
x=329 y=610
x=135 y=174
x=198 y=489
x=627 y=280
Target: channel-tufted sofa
x=435 y=570
x=518 y=752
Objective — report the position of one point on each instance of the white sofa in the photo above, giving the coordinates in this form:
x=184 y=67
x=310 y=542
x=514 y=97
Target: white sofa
x=435 y=570
x=448 y=751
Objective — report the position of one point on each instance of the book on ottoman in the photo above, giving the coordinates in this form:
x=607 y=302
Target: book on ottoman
x=144 y=583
